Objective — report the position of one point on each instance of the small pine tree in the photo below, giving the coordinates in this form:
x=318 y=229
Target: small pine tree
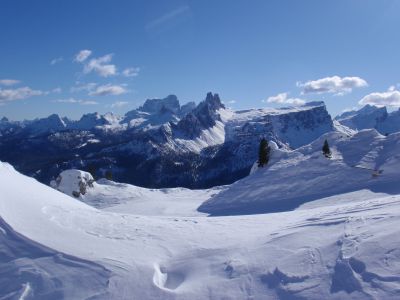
x=326 y=150
x=263 y=153
x=109 y=175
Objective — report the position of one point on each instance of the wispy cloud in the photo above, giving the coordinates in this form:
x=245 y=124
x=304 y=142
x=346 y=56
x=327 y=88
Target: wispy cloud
x=9 y=82
x=56 y=90
x=8 y=95
x=82 y=55
x=56 y=60
x=108 y=89
x=83 y=87
x=160 y=21
x=283 y=98
x=119 y=104
x=131 y=72
x=76 y=101
x=334 y=85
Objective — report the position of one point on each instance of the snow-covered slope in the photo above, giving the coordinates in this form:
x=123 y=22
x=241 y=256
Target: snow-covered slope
x=125 y=198
x=295 y=177
x=346 y=250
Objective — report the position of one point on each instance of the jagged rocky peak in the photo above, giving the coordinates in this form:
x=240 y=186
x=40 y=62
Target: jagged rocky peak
x=91 y=120
x=204 y=116
x=4 y=120
x=167 y=104
x=50 y=123
x=53 y=118
x=206 y=111
x=213 y=101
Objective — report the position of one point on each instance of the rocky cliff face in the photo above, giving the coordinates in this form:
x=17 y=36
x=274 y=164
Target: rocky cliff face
x=162 y=144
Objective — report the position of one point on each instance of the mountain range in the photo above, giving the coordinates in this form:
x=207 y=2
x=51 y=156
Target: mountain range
x=191 y=145
x=194 y=146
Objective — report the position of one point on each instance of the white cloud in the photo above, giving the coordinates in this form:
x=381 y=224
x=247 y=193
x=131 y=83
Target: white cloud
x=77 y=101
x=131 y=72
x=101 y=66
x=162 y=20
x=83 y=87
x=56 y=60
x=389 y=98
x=108 y=89
x=7 y=95
x=82 y=55
x=119 y=104
x=57 y=90
x=283 y=98
x=335 y=85
x=232 y=102
x=9 y=82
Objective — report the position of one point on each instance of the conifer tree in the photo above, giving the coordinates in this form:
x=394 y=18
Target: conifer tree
x=263 y=153
x=109 y=175
x=326 y=150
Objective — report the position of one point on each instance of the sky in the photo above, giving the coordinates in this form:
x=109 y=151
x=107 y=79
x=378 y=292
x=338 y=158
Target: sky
x=77 y=56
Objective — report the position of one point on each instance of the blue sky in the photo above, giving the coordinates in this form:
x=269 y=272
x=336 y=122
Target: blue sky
x=253 y=53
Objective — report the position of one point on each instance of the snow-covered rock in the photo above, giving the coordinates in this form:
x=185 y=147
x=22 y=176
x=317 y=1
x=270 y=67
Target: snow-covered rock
x=170 y=103
x=73 y=182
x=371 y=117
x=93 y=120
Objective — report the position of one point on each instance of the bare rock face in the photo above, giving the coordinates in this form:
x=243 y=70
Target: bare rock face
x=73 y=182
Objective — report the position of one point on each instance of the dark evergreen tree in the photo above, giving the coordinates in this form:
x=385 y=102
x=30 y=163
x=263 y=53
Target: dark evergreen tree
x=326 y=150
x=263 y=153
x=109 y=175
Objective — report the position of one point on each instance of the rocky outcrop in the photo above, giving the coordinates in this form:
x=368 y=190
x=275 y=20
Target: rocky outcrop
x=73 y=182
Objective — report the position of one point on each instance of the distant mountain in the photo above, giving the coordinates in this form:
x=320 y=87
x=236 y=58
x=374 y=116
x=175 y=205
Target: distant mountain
x=160 y=144
x=371 y=117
